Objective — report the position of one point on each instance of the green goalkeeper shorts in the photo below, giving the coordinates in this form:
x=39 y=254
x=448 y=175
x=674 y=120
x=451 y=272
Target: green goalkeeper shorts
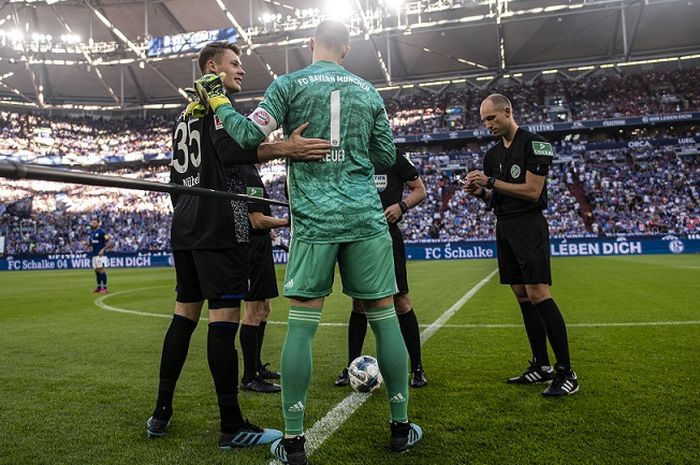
x=366 y=268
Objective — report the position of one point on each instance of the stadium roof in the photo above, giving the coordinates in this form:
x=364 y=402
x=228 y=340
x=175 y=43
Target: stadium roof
x=98 y=50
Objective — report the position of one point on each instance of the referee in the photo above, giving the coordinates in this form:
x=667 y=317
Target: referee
x=391 y=183
x=513 y=182
x=263 y=286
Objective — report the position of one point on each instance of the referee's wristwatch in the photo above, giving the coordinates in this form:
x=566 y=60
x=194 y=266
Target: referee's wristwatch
x=403 y=207
x=490 y=182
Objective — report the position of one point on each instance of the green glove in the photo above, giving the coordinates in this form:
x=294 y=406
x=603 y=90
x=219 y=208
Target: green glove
x=210 y=90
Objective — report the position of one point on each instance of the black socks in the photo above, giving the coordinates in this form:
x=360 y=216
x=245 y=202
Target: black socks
x=556 y=332
x=223 y=365
x=249 y=346
x=357 y=329
x=411 y=336
x=536 y=333
x=261 y=336
x=175 y=347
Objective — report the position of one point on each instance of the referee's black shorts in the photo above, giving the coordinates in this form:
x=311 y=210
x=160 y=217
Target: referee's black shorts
x=399 y=259
x=218 y=275
x=263 y=279
x=523 y=249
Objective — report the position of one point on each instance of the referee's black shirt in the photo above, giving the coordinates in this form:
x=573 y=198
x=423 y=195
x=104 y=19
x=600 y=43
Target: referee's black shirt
x=204 y=155
x=527 y=152
x=256 y=188
x=390 y=181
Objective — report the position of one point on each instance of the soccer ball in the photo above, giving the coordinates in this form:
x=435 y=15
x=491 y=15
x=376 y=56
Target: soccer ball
x=364 y=374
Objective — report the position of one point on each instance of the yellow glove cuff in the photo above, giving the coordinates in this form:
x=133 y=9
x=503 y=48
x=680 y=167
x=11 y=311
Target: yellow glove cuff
x=218 y=100
x=196 y=109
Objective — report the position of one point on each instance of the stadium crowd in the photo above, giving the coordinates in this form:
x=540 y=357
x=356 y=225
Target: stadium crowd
x=60 y=215
x=635 y=190
x=83 y=141
x=551 y=98
x=626 y=194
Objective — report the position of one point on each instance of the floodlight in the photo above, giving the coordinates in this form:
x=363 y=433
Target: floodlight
x=39 y=37
x=395 y=4
x=70 y=38
x=339 y=9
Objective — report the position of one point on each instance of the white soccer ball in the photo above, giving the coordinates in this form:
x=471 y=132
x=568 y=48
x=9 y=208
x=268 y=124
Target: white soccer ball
x=364 y=374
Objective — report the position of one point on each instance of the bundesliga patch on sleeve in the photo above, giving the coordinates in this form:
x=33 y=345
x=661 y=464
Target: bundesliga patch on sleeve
x=264 y=120
x=542 y=148
x=217 y=123
x=254 y=191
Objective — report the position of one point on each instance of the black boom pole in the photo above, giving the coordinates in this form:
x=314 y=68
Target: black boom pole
x=16 y=170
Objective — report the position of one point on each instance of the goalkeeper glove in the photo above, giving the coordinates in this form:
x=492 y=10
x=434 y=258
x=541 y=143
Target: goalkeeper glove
x=195 y=108
x=210 y=90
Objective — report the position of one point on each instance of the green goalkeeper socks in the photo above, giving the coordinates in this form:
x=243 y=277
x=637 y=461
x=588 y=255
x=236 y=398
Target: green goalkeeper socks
x=392 y=357
x=296 y=366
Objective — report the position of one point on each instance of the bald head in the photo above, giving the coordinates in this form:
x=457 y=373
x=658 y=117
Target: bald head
x=499 y=101
x=497 y=115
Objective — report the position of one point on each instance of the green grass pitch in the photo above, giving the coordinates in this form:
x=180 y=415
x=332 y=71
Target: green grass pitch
x=77 y=382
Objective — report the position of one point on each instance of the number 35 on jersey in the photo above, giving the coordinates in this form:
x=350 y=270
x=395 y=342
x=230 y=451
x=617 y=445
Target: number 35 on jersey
x=187 y=148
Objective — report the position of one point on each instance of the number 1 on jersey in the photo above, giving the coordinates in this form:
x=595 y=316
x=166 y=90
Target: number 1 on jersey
x=335 y=118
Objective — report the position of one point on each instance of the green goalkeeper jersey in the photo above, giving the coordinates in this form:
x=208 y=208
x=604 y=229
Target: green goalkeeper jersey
x=335 y=199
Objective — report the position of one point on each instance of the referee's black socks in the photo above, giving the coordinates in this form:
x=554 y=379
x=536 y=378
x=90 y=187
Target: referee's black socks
x=261 y=336
x=411 y=336
x=249 y=347
x=357 y=330
x=175 y=347
x=536 y=333
x=556 y=331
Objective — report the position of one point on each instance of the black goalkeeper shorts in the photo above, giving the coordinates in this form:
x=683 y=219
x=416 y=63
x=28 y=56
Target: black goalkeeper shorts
x=263 y=279
x=213 y=274
x=523 y=249
x=399 y=259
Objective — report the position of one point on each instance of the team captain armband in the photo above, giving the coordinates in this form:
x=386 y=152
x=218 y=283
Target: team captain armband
x=543 y=149
x=264 y=120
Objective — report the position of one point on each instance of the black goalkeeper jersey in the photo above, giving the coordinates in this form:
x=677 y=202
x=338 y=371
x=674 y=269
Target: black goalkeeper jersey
x=390 y=181
x=527 y=152
x=204 y=155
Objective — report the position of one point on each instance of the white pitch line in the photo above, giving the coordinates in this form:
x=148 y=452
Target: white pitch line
x=100 y=303
x=326 y=426
x=440 y=322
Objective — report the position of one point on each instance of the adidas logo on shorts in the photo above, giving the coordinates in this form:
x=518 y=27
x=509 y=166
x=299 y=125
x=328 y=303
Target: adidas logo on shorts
x=290 y=283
